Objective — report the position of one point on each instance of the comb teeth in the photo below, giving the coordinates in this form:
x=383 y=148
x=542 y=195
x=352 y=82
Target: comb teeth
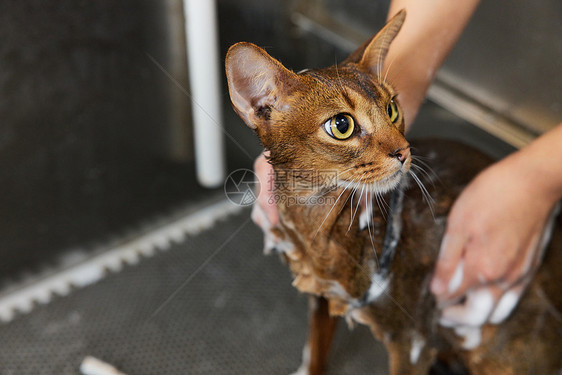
x=84 y=271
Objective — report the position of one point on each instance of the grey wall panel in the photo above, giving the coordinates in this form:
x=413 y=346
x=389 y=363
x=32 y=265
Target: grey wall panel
x=510 y=59
x=89 y=126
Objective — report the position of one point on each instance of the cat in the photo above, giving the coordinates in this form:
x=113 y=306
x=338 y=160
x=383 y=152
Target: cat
x=337 y=134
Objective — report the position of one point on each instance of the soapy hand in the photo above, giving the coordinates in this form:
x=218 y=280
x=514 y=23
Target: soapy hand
x=264 y=212
x=492 y=247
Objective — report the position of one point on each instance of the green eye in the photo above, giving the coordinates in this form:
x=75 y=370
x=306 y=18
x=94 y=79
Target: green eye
x=340 y=126
x=392 y=111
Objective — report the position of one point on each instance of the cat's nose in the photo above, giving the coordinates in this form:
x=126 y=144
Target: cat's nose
x=401 y=154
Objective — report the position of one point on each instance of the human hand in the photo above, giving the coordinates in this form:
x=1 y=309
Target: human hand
x=492 y=246
x=264 y=211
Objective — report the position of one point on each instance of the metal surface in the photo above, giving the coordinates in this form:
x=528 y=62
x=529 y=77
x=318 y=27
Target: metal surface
x=503 y=74
x=184 y=312
x=509 y=59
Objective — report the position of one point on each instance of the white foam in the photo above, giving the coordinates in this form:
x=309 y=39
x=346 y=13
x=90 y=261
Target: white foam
x=505 y=306
x=456 y=280
x=379 y=285
x=474 y=313
x=303 y=369
x=472 y=336
x=366 y=211
x=418 y=344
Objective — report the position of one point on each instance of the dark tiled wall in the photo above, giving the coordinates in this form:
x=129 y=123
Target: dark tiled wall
x=84 y=125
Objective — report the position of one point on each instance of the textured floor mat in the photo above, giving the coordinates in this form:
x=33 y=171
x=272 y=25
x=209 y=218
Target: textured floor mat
x=211 y=305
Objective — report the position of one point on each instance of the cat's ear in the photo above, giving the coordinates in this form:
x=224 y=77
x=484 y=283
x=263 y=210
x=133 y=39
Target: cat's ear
x=371 y=55
x=257 y=82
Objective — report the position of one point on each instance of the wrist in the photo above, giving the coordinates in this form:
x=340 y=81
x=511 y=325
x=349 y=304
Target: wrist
x=537 y=176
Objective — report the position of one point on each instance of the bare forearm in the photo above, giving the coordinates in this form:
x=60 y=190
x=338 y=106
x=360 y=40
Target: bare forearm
x=540 y=165
x=431 y=29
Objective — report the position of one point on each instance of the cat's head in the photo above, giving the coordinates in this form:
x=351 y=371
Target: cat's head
x=344 y=118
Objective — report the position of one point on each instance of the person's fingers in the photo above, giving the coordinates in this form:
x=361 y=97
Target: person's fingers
x=449 y=270
x=518 y=278
x=259 y=218
x=491 y=282
x=480 y=267
x=476 y=309
x=531 y=255
x=508 y=301
x=265 y=174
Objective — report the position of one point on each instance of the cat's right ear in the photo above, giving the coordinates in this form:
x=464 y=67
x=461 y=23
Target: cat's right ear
x=371 y=55
x=257 y=83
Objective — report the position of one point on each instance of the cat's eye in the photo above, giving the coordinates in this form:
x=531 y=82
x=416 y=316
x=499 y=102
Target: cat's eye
x=340 y=126
x=392 y=111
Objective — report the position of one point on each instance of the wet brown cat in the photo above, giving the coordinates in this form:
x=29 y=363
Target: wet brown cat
x=337 y=134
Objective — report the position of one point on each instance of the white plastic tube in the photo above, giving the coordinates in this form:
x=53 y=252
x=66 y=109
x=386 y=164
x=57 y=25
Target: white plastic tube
x=93 y=366
x=203 y=64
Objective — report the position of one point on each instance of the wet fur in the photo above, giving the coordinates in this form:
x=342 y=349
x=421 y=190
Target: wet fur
x=334 y=260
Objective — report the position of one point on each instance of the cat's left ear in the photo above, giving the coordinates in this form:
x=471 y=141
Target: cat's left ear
x=371 y=55
x=258 y=84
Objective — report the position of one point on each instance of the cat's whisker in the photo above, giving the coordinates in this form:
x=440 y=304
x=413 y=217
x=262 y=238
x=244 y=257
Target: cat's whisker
x=420 y=165
x=425 y=169
x=419 y=157
x=387 y=38
x=381 y=204
x=361 y=196
x=388 y=70
x=352 y=211
x=343 y=87
x=355 y=211
x=404 y=64
x=331 y=209
x=323 y=192
x=325 y=189
x=358 y=201
x=379 y=68
x=427 y=197
x=385 y=205
x=422 y=186
x=380 y=63
x=369 y=222
x=350 y=196
x=430 y=177
x=421 y=160
x=345 y=171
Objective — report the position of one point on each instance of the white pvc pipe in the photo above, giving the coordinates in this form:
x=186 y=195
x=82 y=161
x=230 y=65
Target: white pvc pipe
x=203 y=64
x=93 y=366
